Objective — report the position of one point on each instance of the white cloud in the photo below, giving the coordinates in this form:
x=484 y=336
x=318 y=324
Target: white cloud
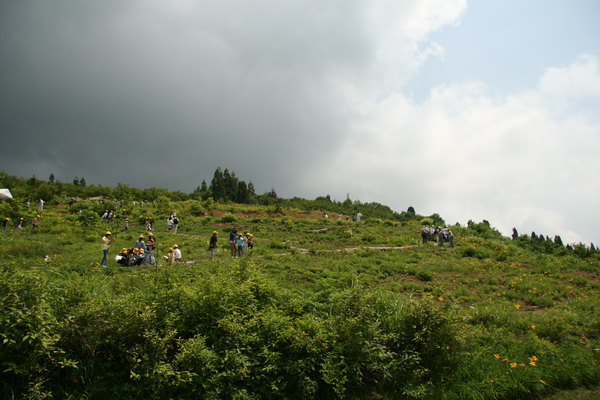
x=464 y=155
x=580 y=79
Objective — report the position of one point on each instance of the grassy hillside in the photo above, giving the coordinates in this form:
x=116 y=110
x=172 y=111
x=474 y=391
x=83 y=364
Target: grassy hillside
x=318 y=309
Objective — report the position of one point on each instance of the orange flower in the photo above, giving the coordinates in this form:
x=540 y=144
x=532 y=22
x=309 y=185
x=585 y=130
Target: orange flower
x=532 y=363
x=497 y=356
x=517 y=306
x=513 y=365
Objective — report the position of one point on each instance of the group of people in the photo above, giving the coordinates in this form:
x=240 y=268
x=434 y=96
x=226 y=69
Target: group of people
x=238 y=243
x=439 y=234
x=173 y=222
x=40 y=204
x=35 y=224
x=142 y=253
x=356 y=217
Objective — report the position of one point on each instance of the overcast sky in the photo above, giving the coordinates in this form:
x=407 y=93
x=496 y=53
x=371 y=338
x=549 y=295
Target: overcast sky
x=473 y=110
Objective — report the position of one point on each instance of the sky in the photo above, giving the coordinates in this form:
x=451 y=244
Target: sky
x=469 y=109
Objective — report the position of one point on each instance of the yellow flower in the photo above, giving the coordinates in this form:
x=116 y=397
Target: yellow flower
x=534 y=358
x=532 y=363
x=513 y=365
x=532 y=326
x=441 y=299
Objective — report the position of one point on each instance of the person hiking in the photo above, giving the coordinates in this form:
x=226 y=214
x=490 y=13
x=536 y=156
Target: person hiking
x=175 y=223
x=233 y=242
x=212 y=245
x=425 y=233
x=106 y=241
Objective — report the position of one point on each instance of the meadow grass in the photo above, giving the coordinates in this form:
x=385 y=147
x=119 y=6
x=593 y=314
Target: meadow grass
x=318 y=309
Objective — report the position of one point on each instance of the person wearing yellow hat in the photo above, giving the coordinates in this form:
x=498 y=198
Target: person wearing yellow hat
x=176 y=253
x=122 y=258
x=140 y=244
x=139 y=257
x=250 y=241
x=151 y=242
x=170 y=257
x=35 y=223
x=105 y=245
x=19 y=226
x=212 y=245
x=5 y=224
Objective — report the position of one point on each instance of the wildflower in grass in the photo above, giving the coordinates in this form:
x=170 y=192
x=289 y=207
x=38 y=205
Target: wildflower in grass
x=517 y=306
x=441 y=299
x=534 y=358
x=521 y=365
x=532 y=326
x=497 y=356
x=513 y=365
x=532 y=363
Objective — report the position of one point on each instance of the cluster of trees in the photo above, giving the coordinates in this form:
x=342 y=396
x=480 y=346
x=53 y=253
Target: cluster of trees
x=534 y=242
x=547 y=245
x=224 y=187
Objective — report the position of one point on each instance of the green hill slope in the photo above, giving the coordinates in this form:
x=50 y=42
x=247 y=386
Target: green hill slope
x=319 y=308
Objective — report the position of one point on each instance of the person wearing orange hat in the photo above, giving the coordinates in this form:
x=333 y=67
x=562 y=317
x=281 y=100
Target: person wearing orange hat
x=176 y=253
x=170 y=257
x=212 y=245
x=19 y=226
x=5 y=224
x=122 y=258
x=140 y=244
x=250 y=241
x=105 y=245
x=34 y=223
x=139 y=257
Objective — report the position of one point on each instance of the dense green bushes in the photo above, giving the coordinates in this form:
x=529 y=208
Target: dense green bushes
x=215 y=334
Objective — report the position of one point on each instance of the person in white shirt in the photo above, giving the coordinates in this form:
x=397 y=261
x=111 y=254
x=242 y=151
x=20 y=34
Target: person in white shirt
x=176 y=253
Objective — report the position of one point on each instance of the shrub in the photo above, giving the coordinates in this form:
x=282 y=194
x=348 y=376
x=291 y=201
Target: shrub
x=424 y=276
x=88 y=218
x=228 y=218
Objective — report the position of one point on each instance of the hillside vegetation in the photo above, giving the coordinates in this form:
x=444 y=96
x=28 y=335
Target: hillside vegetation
x=319 y=309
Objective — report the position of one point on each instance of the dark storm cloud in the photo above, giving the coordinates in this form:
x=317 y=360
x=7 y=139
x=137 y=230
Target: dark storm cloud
x=160 y=94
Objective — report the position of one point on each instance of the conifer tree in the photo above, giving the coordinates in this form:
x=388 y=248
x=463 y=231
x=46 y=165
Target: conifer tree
x=217 y=185
x=242 y=196
x=533 y=235
x=515 y=234
x=230 y=182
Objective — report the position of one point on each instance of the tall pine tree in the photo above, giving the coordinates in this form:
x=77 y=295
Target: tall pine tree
x=217 y=185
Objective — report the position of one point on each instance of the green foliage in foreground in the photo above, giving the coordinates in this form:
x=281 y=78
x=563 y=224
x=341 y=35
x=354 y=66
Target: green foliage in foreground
x=318 y=310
